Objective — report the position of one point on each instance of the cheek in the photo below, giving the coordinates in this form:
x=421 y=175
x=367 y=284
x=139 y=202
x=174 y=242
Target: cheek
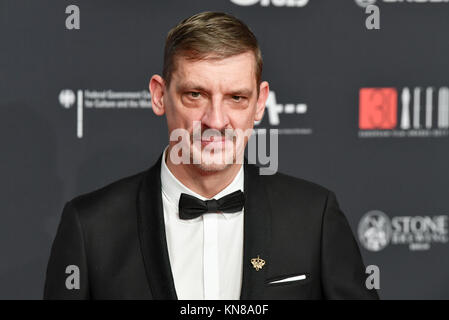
x=172 y=119
x=243 y=119
x=178 y=116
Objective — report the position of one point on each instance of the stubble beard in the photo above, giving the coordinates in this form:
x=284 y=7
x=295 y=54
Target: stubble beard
x=203 y=158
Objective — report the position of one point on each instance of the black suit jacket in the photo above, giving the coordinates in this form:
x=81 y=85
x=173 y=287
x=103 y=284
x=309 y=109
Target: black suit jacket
x=116 y=237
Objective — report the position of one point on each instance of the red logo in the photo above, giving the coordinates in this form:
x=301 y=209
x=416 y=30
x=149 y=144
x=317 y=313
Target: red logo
x=378 y=108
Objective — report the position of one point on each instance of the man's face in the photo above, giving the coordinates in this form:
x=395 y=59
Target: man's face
x=222 y=95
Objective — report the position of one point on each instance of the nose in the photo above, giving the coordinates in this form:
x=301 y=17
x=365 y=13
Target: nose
x=215 y=117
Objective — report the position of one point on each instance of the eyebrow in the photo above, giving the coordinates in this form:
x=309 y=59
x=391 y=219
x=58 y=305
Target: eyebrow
x=197 y=87
x=190 y=86
x=241 y=92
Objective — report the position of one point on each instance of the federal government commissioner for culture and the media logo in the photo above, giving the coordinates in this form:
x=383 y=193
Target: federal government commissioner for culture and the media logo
x=101 y=99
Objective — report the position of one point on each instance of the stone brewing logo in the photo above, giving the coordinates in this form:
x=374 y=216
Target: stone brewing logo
x=376 y=230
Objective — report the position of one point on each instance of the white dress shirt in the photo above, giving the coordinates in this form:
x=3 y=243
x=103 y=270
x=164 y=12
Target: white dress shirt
x=206 y=252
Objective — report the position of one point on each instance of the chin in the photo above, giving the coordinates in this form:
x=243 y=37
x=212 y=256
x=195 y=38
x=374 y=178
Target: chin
x=217 y=162
x=210 y=167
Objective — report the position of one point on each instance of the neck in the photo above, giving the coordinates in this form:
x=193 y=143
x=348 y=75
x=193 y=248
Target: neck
x=205 y=183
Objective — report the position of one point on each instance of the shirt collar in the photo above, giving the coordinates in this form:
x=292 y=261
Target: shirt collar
x=172 y=187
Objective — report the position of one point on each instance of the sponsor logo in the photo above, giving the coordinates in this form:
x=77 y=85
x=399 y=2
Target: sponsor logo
x=102 y=99
x=365 y=3
x=377 y=108
x=275 y=3
x=66 y=98
x=273 y=113
x=376 y=230
x=407 y=112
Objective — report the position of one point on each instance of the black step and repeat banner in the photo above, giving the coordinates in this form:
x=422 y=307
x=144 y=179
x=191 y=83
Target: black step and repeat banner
x=362 y=110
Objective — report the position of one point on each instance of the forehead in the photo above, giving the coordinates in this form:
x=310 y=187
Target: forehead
x=220 y=73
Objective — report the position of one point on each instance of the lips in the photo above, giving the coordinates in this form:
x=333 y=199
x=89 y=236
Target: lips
x=213 y=140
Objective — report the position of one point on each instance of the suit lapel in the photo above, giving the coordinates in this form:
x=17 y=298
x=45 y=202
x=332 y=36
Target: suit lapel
x=152 y=236
x=256 y=238
x=257 y=233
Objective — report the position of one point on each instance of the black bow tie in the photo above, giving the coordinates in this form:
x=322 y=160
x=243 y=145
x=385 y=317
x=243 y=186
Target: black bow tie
x=191 y=207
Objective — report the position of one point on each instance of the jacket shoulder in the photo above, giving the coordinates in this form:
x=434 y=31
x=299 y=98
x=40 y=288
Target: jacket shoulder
x=295 y=199
x=289 y=185
x=116 y=196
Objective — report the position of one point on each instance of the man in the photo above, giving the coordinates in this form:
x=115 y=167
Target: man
x=199 y=224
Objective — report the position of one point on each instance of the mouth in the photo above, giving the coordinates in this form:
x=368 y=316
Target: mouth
x=213 y=141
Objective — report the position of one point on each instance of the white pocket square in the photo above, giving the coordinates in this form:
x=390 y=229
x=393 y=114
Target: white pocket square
x=289 y=279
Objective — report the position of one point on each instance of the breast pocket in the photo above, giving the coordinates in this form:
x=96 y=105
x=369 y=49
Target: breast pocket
x=288 y=287
x=289 y=279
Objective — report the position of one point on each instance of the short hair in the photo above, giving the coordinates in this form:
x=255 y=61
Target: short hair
x=206 y=35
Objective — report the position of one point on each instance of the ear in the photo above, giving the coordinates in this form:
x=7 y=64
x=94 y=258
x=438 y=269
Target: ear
x=264 y=91
x=157 y=89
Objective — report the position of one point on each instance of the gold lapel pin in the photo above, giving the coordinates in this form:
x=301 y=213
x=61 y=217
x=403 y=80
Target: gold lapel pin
x=257 y=263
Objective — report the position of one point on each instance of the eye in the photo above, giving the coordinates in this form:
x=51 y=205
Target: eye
x=237 y=98
x=194 y=94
